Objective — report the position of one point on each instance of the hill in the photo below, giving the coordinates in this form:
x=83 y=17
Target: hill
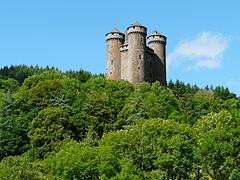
x=75 y=125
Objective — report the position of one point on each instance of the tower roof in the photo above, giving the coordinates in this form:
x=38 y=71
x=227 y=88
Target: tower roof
x=116 y=33
x=136 y=24
x=156 y=33
x=115 y=30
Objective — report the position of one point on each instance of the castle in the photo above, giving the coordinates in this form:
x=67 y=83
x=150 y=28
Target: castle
x=129 y=58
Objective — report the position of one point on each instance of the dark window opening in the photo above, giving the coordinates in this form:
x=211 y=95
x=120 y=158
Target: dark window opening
x=110 y=73
x=140 y=57
x=138 y=68
x=111 y=62
x=141 y=39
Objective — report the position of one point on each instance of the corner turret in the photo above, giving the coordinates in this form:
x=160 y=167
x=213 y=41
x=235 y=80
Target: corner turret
x=115 y=34
x=157 y=42
x=114 y=40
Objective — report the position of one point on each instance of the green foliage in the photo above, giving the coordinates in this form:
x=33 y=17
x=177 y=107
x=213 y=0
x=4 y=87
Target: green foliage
x=199 y=105
x=218 y=139
x=80 y=161
x=74 y=161
x=223 y=93
x=20 y=167
x=38 y=91
x=74 y=125
x=160 y=146
x=49 y=128
x=9 y=85
x=35 y=79
x=97 y=112
x=14 y=135
x=21 y=72
x=180 y=89
x=102 y=104
x=149 y=101
x=159 y=103
x=80 y=75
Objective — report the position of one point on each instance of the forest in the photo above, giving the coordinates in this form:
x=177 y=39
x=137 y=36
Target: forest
x=77 y=125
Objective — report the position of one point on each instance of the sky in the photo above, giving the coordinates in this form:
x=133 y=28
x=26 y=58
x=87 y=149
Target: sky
x=203 y=45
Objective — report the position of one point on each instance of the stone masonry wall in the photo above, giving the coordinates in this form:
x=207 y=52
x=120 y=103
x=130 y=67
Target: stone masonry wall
x=113 y=70
x=136 y=56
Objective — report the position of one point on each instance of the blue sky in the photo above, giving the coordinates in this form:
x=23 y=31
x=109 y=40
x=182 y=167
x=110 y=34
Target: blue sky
x=203 y=35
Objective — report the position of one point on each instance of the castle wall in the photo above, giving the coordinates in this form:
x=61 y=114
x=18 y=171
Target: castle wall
x=124 y=63
x=149 y=75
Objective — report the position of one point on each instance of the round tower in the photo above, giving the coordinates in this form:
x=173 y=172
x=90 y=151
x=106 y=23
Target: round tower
x=158 y=42
x=136 y=34
x=114 y=40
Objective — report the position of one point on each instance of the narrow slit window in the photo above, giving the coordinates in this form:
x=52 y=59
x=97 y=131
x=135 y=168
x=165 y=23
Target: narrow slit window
x=138 y=67
x=111 y=62
x=140 y=56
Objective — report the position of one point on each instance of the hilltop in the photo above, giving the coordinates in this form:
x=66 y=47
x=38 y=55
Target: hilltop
x=75 y=125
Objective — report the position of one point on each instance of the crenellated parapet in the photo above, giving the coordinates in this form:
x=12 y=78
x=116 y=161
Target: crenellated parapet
x=156 y=37
x=124 y=48
x=115 y=35
x=136 y=28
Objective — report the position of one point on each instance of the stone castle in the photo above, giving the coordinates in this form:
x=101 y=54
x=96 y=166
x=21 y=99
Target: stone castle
x=129 y=58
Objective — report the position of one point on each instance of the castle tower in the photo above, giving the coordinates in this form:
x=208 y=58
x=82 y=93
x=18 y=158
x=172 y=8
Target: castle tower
x=136 y=35
x=114 y=40
x=157 y=42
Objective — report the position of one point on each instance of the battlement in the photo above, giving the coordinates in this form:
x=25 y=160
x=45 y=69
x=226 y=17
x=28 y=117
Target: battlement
x=124 y=47
x=136 y=28
x=115 y=35
x=156 y=37
x=129 y=58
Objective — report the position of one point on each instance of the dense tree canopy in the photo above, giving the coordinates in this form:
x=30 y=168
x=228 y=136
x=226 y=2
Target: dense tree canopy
x=75 y=125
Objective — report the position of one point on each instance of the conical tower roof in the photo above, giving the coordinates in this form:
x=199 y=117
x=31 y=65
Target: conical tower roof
x=136 y=24
x=156 y=33
x=115 y=30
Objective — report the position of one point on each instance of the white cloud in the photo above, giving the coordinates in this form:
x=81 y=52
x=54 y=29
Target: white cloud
x=204 y=51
